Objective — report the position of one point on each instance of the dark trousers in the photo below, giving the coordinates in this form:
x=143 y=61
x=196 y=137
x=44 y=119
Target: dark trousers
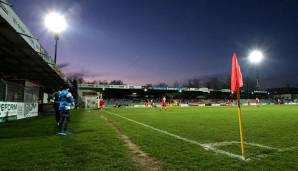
x=64 y=120
x=57 y=112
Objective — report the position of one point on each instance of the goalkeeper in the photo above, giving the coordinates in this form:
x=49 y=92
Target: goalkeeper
x=66 y=102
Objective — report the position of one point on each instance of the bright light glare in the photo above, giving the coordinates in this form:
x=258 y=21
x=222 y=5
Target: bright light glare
x=55 y=22
x=255 y=56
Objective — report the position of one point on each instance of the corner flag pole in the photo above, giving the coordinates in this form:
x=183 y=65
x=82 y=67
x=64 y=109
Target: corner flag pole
x=236 y=84
x=240 y=124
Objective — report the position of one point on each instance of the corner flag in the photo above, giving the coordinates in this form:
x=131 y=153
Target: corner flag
x=236 y=84
x=236 y=76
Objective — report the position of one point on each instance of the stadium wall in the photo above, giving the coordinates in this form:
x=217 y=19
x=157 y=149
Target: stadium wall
x=17 y=110
x=19 y=99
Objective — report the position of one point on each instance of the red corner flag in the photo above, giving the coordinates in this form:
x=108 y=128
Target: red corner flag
x=236 y=76
x=236 y=84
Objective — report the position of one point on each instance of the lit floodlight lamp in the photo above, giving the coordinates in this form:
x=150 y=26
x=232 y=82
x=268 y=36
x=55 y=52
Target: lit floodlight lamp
x=55 y=22
x=255 y=56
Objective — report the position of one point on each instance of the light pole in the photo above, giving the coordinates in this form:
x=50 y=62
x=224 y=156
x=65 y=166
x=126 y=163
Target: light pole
x=256 y=57
x=55 y=23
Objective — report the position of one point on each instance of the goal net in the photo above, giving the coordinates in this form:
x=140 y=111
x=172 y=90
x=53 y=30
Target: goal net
x=91 y=102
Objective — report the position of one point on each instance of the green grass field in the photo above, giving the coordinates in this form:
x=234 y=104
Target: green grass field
x=31 y=144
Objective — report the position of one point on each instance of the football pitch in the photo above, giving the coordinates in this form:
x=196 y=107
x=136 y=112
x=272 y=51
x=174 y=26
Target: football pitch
x=183 y=138
x=208 y=138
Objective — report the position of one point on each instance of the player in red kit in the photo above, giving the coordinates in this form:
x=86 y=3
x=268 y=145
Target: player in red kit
x=163 y=103
x=172 y=102
x=278 y=101
x=258 y=101
x=248 y=102
x=101 y=103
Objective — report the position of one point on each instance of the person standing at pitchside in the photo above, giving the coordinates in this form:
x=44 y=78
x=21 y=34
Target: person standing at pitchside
x=56 y=106
x=66 y=102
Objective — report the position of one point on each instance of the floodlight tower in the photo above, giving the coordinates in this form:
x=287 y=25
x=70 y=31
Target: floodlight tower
x=255 y=57
x=55 y=23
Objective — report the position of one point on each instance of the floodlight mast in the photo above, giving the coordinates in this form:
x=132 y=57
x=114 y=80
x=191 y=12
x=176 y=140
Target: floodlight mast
x=55 y=23
x=255 y=57
x=56 y=45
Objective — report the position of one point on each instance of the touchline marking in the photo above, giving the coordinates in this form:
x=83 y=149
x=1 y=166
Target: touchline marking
x=205 y=146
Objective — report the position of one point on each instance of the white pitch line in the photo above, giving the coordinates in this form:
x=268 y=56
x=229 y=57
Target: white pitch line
x=237 y=142
x=288 y=149
x=262 y=146
x=224 y=143
x=205 y=146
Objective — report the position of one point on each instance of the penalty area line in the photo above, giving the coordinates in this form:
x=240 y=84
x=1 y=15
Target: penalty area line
x=204 y=146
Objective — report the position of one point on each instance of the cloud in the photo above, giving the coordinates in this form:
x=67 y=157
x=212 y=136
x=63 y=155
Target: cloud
x=134 y=76
x=86 y=74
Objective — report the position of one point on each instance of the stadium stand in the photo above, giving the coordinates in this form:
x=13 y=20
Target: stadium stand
x=27 y=72
x=128 y=95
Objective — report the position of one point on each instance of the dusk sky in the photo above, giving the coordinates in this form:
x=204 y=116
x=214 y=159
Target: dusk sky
x=153 y=41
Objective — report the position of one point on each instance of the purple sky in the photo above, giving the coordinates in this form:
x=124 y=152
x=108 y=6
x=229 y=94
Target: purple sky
x=152 y=41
